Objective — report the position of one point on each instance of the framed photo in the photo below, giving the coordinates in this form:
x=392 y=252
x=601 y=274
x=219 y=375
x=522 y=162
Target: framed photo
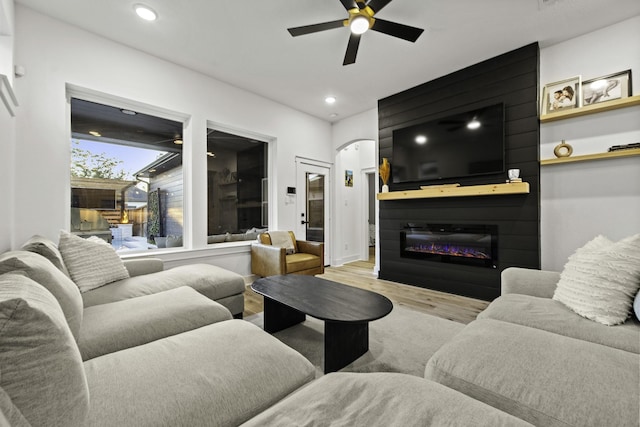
x=348 y=178
x=607 y=88
x=562 y=95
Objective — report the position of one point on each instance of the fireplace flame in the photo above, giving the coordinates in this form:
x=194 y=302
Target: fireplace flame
x=446 y=249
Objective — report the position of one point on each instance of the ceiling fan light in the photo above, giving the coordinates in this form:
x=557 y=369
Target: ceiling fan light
x=359 y=24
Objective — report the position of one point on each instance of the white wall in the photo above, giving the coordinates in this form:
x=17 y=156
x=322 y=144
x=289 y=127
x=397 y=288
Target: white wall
x=7 y=127
x=582 y=200
x=350 y=209
x=6 y=38
x=56 y=54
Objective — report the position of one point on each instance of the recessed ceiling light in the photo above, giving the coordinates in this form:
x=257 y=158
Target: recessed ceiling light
x=421 y=139
x=128 y=112
x=178 y=142
x=333 y=115
x=330 y=99
x=94 y=133
x=145 y=12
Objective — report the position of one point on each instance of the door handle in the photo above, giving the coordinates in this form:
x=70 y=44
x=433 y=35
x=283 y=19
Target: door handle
x=304 y=222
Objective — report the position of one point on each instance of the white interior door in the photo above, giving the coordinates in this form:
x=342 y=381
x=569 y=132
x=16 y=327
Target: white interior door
x=314 y=184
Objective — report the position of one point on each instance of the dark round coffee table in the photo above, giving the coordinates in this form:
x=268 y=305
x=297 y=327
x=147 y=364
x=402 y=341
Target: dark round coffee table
x=346 y=311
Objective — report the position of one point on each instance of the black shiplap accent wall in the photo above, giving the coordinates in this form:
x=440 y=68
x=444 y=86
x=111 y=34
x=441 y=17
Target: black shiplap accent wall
x=511 y=78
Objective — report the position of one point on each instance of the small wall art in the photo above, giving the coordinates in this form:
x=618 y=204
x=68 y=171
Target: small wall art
x=607 y=88
x=348 y=178
x=561 y=95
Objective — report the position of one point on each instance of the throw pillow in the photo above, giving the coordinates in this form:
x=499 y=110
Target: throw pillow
x=91 y=262
x=601 y=279
x=45 y=247
x=282 y=239
x=40 y=364
x=41 y=271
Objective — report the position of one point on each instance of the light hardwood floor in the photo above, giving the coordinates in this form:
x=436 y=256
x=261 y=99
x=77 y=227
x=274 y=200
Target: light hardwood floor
x=360 y=274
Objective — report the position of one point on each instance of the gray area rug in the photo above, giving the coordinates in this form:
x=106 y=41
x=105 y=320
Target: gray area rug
x=403 y=341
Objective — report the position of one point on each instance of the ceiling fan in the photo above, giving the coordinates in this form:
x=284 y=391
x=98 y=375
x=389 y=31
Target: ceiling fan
x=361 y=18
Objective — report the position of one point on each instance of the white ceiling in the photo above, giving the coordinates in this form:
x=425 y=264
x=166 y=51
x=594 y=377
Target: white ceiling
x=246 y=43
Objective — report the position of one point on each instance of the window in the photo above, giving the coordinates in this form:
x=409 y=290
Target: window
x=237 y=201
x=126 y=177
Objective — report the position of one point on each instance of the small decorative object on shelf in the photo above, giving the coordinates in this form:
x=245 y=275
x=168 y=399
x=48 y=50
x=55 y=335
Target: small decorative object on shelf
x=514 y=175
x=563 y=149
x=385 y=172
x=624 y=146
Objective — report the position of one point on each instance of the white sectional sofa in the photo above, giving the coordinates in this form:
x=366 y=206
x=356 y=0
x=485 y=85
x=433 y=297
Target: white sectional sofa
x=154 y=352
x=530 y=356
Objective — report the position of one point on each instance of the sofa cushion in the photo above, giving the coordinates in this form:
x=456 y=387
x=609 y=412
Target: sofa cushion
x=48 y=249
x=91 y=264
x=553 y=316
x=40 y=366
x=380 y=399
x=211 y=281
x=218 y=375
x=40 y=270
x=10 y=416
x=600 y=279
x=123 y=324
x=544 y=378
x=217 y=238
x=301 y=261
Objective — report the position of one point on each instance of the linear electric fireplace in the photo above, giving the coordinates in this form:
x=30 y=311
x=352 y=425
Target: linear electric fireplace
x=475 y=245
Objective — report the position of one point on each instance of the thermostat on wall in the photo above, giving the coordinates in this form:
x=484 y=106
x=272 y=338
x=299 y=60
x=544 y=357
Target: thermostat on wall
x=291 y=190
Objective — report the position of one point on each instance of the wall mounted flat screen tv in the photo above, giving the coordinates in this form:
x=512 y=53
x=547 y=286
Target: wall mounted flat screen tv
x=457 y=146
x=93 y=198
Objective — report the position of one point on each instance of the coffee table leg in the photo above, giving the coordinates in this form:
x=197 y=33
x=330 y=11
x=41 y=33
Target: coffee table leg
x=278 y=316
x=344 y=343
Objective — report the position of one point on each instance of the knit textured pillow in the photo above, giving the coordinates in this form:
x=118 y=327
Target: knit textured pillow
x=91 y=263
x=600 y=280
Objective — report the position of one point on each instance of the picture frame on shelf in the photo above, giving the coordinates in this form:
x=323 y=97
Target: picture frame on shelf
x=561 y=95
x=607 y=88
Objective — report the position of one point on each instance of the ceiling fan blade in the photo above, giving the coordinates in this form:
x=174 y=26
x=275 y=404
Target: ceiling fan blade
x=349 y=4
x=308 y=29
x=397 y=30
x=377 y=5
x=352 y=49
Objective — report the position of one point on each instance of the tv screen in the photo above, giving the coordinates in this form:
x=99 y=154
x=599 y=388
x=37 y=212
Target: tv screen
x=93 y=198
x=461 y=145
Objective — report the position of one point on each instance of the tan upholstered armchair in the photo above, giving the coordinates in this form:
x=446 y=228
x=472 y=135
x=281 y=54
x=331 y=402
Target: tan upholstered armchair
x=269 y=257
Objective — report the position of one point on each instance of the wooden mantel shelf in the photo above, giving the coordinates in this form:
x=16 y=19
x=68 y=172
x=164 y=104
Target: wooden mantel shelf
x=470 y=190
